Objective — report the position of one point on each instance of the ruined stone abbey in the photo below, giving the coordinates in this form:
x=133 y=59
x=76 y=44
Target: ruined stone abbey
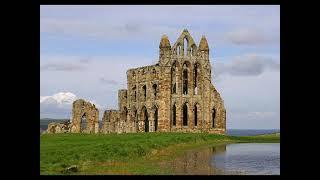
x=174 y=95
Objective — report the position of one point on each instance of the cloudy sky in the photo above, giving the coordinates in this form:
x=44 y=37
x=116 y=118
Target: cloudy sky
x=86 y=50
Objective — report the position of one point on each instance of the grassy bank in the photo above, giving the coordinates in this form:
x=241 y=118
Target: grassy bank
x=124 y=153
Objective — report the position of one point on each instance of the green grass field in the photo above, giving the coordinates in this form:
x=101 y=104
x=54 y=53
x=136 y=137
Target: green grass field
x=125 y=153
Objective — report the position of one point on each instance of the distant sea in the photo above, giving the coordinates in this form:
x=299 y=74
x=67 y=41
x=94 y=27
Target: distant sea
x=250 y=132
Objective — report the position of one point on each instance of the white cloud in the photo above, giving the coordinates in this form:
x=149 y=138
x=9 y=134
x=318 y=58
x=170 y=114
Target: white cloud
x=251 y=101
x=253 y=37
x=254 y=119
x=150 y=22
x=59 y=98
x=107 y=81
x=59 y=105
x=105 y=30
x=62 y=67
x=246 y=65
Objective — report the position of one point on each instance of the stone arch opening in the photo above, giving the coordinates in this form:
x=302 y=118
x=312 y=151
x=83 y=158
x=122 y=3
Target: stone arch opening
x=144 y=117
x=135 y=120
x=185 y=46
x=155 y=118
x=195 y=115
x=193 y=50
x=185 y=79
x=213 y=117
x=154 y=89
x=174 y=78
x=144 y=88
x=174 y=115
x=185 y=114
x=124 y=114
x=196 y=74
x=134 y=94
x=83 y=123
x=87 y=113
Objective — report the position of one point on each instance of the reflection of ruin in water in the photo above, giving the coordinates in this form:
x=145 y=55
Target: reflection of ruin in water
x=232 y=159
x=198 y=162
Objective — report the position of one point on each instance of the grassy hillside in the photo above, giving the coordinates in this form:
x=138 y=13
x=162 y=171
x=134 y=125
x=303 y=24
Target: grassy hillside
x=124 y=153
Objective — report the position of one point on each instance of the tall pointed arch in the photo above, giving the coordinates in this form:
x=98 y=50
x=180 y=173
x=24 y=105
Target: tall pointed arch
x=155 y=117
x=197 y=78
x=124 y=114
x=145 y=118
x=185 y=114
x=174 y=77
x=196 y=114
x=213 y=116
x=185 y=45
x=174 y=115
x=185 y=77
x=83 y=123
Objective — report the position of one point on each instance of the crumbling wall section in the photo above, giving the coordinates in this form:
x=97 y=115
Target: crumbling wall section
x=217 y=113
x=111 y=122
x=54 y=127
x=84 y=111
x=181 y=80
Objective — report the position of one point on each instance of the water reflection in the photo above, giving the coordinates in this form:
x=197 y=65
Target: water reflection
x=250 y=158
x=246 y=158
x=197 y=162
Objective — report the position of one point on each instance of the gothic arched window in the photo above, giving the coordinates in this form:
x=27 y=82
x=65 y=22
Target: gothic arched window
x=185 y=79
x=144 y=117
x=196 y=73
x=195 y=115
x=173 y=79
x=213 y=116
x=154 y=88
x=83 y=123
x=134 y=93
x=185 y=114
x=185 y=46
x=174 y=115
x=124 y=114
x=144 y=92
x=155 y=118
x=178 y=50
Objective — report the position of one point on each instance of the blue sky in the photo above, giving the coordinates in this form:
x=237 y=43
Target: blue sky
x=86 y=50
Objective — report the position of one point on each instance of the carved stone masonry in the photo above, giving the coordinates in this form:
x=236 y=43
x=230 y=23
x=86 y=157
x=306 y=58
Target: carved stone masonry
x=174 y=95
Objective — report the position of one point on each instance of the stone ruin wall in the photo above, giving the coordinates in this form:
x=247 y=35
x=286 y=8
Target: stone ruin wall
x=81 y=111
x=58 y=127
x=155 y=96
x=87 y=111
x=110 y=121
x=157 y=89
x=203 y=97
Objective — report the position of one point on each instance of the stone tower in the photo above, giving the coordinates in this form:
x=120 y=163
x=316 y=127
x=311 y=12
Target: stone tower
x=174 y=95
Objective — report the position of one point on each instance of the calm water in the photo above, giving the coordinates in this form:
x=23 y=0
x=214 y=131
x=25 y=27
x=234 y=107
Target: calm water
x=249 y=158
x=241 y=159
